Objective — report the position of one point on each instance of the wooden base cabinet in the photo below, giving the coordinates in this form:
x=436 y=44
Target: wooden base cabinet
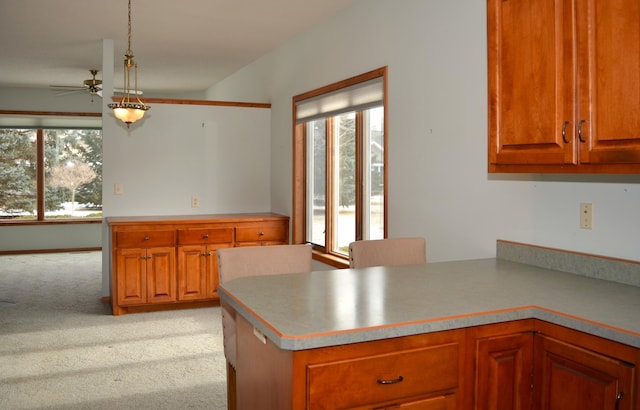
x=198 y=262
x=567 y=376
x=525 y=364
x=537 y=365
x=145 y=261
x=414 y=372
x=503 y=359
x=170 y=262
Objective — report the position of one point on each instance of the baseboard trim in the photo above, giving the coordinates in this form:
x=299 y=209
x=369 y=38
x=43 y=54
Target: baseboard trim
x=30 y=251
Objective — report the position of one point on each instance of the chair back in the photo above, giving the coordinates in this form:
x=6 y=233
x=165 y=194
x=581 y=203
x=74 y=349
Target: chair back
x=387 y=252
x=238 y=262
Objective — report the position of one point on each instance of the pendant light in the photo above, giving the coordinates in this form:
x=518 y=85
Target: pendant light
x=126 y=110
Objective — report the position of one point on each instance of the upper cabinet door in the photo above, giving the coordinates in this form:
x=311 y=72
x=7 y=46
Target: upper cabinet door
x=609 y=81
x=531 y=82
x=564 y=86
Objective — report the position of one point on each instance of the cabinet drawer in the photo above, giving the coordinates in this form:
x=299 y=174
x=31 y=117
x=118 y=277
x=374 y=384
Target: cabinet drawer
x=385 y=377
x=204 y=236
x=276 y=232
x=146 y=239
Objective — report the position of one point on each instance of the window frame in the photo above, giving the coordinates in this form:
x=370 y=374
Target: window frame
x=299 y=206
x=40 y=169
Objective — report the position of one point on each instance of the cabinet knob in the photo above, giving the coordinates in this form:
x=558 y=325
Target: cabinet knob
x=205 y=236
x=261 y=234
x=146 y=238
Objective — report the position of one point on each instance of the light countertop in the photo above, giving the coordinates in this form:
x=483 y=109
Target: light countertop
x=325 y=308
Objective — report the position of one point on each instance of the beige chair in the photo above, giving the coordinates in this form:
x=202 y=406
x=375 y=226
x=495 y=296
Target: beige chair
x=234 y=263
x=387 y=252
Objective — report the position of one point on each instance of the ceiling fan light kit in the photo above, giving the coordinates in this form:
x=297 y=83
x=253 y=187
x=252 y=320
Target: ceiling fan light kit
x=128 y=110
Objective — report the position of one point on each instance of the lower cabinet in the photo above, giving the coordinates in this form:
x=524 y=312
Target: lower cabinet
x=413 y=372
x=525 y=364
x=198 y=262
x=569 y=377
x=171 y=262
x=146 y=275
x=537 y=365
x=503 y=360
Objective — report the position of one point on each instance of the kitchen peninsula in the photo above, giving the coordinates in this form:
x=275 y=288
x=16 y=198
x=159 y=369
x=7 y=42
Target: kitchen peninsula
x=436 y=336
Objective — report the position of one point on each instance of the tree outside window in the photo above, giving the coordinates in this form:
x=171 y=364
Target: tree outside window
x=339 y=165
x=58 y=170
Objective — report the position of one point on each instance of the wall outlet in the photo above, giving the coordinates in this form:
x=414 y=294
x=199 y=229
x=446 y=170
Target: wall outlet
x=195 y=201
x=586 y=216
x=118 y=189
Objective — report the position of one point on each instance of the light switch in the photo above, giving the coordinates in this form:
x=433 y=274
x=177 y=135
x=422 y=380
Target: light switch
x=118 y=189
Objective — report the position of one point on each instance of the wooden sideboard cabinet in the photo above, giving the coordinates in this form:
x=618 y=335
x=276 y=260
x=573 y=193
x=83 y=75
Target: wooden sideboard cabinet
x=170 y=262
x=564 y=80
x=198 y=262
x=145 y=262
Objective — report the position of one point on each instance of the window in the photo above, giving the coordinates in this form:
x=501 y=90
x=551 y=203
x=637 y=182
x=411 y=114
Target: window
x=339 y=165
x=50 y=171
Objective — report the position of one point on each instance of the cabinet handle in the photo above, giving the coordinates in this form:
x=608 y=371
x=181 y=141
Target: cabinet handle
x=205 y=236
x=203 y=254
x=564 y=132
x=261 y=234
x=146 y=238
x=580 y=131
x=392 y=381
x=618 y=399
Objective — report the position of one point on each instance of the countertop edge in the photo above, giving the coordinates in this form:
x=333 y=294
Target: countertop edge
x=311 y=341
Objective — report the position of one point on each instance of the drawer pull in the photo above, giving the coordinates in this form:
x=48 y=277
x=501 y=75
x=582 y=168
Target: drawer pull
x=580 y=131
x=261 y=234
x=564 y=132
x=146 y=238
x=392 y=381
x=205 y=236
x=618 y=398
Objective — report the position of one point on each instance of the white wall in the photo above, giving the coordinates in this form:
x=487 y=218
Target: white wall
x=438 y=181
x=220 y=154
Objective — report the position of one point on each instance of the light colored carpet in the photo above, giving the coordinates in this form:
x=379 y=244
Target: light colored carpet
x=61 y=349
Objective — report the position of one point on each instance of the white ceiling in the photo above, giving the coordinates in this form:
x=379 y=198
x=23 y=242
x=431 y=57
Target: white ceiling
x=180 y=46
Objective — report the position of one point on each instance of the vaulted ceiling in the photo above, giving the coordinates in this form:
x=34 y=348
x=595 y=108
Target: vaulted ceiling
x=180 y=46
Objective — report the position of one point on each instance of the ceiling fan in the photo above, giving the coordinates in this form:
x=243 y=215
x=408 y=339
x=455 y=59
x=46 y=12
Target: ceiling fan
x=92 y=86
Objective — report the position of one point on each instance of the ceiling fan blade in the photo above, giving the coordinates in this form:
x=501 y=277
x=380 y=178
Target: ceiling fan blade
x=68 y=87
x=60 y=94
x=121 y=91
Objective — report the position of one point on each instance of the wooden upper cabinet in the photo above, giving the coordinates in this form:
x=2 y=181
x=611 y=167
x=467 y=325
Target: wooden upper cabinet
x=564 y=86
x=530 y=77
x=609 y=81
